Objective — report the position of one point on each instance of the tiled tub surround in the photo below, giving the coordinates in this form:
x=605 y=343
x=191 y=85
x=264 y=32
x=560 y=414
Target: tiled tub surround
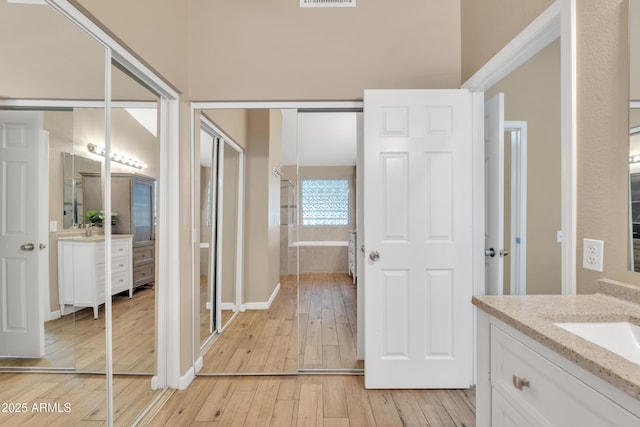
x=535 y=315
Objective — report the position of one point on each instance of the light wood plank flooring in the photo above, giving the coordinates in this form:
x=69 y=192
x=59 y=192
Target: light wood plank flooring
x=77 y=341
x=328 y=322
x=84 y=395
x=259 y=340
x=268 y=341
x=312 y=400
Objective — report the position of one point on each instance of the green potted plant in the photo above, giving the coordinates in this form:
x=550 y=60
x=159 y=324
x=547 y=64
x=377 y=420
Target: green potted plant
x=96 y=218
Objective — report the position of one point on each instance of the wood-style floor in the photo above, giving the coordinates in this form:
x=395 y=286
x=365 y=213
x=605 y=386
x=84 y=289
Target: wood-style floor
x=311 y=324
x=312 y=400
x=77 y=341
x=259 y=341
x=328 y=322
x=72 y=399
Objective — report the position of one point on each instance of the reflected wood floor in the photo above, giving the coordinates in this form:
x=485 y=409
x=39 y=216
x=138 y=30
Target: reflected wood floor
x=78 y=340
x=267 y=340
x=328 y=322
x=84 y=394
x=312 y=400
x=204 y=312
x=259 y=340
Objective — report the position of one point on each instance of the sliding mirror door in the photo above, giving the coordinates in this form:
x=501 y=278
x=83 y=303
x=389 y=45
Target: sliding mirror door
x=56 y=299
x=327 y=221
x=255 y=328
x=46 y=57
x=51 y=70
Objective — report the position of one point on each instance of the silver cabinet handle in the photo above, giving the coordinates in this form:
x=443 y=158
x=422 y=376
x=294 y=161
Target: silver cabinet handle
x=490 y=252
x=374 y=256
x=27 y=247
x=520 y=383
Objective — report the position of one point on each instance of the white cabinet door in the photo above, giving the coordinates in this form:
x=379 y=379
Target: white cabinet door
x=418 y=237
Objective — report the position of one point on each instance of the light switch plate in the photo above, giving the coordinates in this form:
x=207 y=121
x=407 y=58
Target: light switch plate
x=592 y=254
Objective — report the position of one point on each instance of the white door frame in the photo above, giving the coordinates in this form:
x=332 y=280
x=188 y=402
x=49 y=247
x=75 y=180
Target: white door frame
x=283 y=105
x=518 y=239
x=559 y=20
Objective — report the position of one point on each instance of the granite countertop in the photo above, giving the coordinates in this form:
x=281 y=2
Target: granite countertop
x=93 y=238
x=535 y=315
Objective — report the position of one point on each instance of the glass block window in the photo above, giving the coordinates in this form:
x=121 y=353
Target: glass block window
x=325 y=202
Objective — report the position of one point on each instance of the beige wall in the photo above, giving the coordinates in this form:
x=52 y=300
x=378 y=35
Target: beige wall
x=602 y=133
x=262 y=207
x=277 y=51
x=603 y=137
x=233 y=122
x=488 y=25
x=532 y=94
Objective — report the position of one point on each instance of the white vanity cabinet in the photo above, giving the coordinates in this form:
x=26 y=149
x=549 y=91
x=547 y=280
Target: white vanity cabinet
x=353 y=244
x=522 y=383
x=81 y=270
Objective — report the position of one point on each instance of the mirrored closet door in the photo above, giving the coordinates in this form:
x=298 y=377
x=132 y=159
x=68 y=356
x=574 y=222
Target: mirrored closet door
x=298 y=302
x=53 y=115
x=255 y=312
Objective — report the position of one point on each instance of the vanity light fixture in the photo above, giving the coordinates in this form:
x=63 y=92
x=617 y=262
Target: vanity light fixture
x=119 y=158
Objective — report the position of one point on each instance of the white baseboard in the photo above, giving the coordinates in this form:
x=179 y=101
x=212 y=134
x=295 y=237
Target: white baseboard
x=264 y=305
x=185 y=380
x=54 y=315
x=198 y=364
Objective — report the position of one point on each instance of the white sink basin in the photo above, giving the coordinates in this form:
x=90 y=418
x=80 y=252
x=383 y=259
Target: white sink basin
x=622 y=338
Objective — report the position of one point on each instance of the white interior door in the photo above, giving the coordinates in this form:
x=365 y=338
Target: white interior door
x=22 y=240
x=418 y=216
x=494 y=194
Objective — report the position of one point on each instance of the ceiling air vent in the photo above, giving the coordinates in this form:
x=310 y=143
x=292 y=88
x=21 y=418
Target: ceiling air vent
x=327 y=3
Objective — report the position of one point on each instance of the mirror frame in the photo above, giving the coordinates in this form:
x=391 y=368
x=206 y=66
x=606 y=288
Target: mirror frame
x=202 y=123
x=247 y=105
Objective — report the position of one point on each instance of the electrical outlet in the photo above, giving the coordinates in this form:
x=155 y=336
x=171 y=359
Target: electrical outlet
x=592 y=254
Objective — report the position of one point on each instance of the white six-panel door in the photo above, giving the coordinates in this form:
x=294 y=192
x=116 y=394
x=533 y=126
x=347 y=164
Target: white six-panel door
x=418 y=237
x=21 y=253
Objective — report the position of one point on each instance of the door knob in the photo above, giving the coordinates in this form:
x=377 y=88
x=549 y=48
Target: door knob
x=374 y=256
x=490 y=252
x=504 y=252
x=27 y=247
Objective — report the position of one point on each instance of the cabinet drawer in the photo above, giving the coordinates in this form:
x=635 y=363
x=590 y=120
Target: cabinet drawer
x=119 y=264
x=143 y=275
x=119 y=247
x=142 y=255
x=549 y=391
x=119 y=283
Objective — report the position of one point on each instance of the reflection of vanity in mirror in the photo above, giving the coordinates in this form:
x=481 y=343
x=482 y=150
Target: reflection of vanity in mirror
x=81 y=257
